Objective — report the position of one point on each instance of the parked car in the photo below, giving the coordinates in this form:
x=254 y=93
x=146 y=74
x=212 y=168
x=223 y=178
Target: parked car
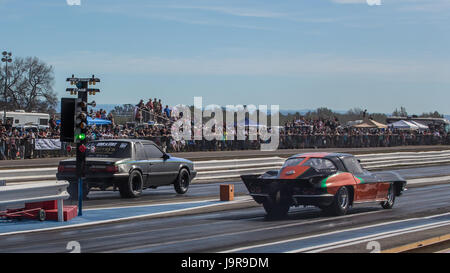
x=131 y=165
x=330 y=181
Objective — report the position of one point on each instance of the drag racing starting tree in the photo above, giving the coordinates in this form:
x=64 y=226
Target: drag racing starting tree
x=74 y=125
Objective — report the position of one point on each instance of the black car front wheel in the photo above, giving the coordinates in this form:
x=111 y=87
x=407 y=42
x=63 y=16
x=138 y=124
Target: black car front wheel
x=182 y=182
x=133 y=187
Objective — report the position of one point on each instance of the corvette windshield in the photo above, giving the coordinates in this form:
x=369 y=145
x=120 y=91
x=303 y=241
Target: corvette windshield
x=108 y=149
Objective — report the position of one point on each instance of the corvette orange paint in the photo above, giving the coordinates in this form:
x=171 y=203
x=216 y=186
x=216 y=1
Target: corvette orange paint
x=334 y=182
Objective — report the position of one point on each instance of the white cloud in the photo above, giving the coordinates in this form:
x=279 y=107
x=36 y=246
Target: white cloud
x=73 y=2
x=350 y=1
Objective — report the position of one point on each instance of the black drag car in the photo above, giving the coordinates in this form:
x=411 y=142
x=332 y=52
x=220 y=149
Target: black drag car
x=330 y=181
x=131 y=165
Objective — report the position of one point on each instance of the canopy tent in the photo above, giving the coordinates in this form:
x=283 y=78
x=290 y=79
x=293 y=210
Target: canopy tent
x=371 y=124
x=418 y=124
x=98 y=121
x=91 y=121
x=404 y=125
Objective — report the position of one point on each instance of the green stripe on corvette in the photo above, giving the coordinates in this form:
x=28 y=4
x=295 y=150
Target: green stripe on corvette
x=361 y=181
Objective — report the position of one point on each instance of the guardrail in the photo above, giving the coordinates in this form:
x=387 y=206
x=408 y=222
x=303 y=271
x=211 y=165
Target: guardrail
x=16 y=196
x=233 y=168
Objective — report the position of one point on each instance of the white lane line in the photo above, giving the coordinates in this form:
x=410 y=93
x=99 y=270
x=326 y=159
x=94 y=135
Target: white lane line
x=428 y=180
x=363 y=239
x=29 y=170
x=238 y=166
x=117 y=219
x=33 y=177
x=403 y=153
x=237 y=200
x=250 y=231
x=239 y=160
x=328 y=233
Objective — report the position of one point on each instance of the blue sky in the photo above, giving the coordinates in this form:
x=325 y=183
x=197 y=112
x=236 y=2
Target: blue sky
x=299 y=54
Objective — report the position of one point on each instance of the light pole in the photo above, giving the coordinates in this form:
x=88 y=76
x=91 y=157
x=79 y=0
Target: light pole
x=6 y=59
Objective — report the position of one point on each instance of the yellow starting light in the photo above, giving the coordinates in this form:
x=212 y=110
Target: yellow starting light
x=90 y=92
x=93 y=82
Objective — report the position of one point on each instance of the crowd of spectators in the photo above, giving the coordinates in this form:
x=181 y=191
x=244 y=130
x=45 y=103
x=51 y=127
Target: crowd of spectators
x=152 y=111
x=18 y=143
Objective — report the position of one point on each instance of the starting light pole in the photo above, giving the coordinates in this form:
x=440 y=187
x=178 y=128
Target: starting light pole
x=80 y=128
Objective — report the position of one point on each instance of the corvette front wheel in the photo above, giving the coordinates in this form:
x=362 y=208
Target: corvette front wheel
x=389 y=203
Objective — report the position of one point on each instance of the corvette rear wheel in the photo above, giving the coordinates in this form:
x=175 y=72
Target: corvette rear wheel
x=340 y=203
x=389 y=203
x=276 y=207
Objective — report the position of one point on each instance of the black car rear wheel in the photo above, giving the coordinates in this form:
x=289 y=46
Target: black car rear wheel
x=72 y=190
x=340 y=204
x=389 y=203
x=133 y=187
x=182 y=182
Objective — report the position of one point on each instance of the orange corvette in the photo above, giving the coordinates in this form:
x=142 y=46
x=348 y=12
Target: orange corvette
x=330 y=181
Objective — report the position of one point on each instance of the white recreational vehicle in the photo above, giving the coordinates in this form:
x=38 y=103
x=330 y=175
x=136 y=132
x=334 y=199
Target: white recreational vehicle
x=21 y=119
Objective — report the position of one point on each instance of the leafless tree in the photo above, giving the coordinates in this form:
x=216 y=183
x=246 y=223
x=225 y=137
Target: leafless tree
x=30 y=86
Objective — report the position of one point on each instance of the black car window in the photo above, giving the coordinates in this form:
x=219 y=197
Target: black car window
x=320 y=164
x=152 y=151
x=140 y=153
x=111 y=149
x=353 y=165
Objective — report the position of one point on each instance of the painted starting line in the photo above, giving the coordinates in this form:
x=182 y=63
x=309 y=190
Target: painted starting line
x=109 y=215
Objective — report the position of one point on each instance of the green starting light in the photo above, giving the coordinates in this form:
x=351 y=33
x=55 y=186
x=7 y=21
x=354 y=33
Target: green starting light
x=80 y=136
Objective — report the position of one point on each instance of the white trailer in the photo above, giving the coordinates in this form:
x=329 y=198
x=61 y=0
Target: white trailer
x=20 y=118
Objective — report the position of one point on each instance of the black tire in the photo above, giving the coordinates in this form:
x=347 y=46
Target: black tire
x=276 y=207
x=389 y=204
x=340 y=204
x=182 y=182
x=133 y=187
x=41 y=215
x=72 y=189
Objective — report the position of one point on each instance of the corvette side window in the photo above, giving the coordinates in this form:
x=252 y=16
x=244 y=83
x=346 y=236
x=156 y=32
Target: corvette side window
x=353 y=165
x=320 y=164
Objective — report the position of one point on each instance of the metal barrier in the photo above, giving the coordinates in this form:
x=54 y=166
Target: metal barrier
x=220 y=169
x=16 y=196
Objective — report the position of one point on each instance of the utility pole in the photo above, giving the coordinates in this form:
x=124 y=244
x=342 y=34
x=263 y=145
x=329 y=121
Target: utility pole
x=78 y=132
x=6 y=59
